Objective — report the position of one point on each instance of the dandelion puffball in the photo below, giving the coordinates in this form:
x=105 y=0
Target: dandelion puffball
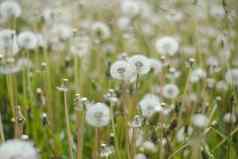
x=98 y=115
x=122 y=70
x=8 y=42
x=10 y=9
x=167 y=45
x=200 y=120
x=149 y=105
x=170 y=91
x=141 y=63
x=27 y=40
x=17 y=149
x=231 y=76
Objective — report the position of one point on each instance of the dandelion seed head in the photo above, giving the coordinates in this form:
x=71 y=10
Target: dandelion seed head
x=149 y=146
x=170 y=91
x=197 y=75
x=98 y=115
x=122 y=70
x=229 y=118
x=231 y=76
x=149 y=105
x=10 y=9
x=141 y=63
x=17 y=149
x=8 y=42
x=167 y=45
x=130 y=8
x=140 y=156
x=101 y=29
x=200 y=120
x=27 y=40
x=183 y=134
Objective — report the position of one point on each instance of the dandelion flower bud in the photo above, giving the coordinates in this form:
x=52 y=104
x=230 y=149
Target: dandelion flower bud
x=141 y=63
x=170 y=91
x=18 y=149
x=98 y=115
x=27 y=40
x=200 y=120
x=10 y=9
x=149 y=105
x=167 y=46
x=122 y=70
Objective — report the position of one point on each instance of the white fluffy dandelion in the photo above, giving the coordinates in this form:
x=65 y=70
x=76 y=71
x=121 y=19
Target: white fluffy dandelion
x=27 y=40
x=150 y=104
x=122 y=70
x=167 y=45
x=130 y=8
x=183 y=134
x=10 y=9
x=229 y=118
x=141 y=63
x=80 y=46
x=17 y=149
x=170 y=91
x=8 y=42
x=156 y=65
x=101 y=30
x=200 y=120
x=140 y=156
x=98 y=115
x=231 y=76
x=197 y=75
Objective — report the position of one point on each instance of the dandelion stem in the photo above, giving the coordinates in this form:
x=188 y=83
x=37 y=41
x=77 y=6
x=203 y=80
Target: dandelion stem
x=69 y=134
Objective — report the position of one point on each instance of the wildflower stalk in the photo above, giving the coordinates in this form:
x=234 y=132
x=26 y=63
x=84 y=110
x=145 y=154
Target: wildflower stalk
x=80 y=130
x=2 y=136
x=67 y=122
x=97 y=143
x=48 y=87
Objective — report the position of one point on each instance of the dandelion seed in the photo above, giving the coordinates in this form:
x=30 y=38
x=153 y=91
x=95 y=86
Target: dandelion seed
x=122 y=70
x=167 y=46
x=98 y=115
x=27 y=40
x=10 y=9
x=141 y=63
x=150 y=104
x=200 y=120
x=170 y=91
x=17 y=149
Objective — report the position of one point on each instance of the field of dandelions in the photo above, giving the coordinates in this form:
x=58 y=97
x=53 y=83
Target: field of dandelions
x=118 y=79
